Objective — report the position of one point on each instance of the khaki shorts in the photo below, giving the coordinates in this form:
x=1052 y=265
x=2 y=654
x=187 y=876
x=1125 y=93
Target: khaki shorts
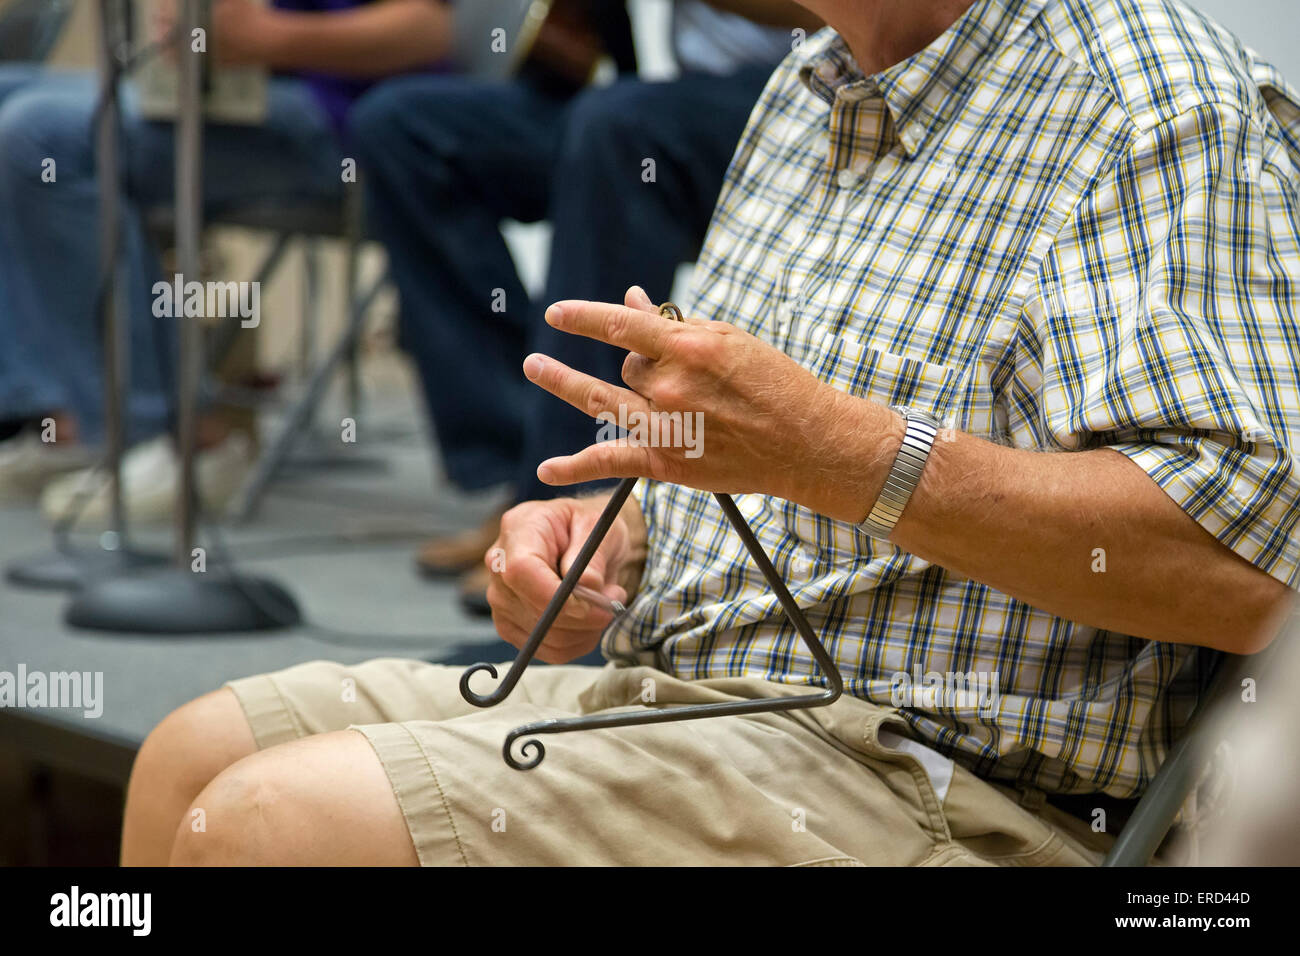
x=830 y=786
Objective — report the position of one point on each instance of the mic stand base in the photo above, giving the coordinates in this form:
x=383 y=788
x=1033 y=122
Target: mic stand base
x=73 y=569
x=179 y=601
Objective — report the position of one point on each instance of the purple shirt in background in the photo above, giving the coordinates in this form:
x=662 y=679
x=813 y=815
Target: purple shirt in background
x=335 y=94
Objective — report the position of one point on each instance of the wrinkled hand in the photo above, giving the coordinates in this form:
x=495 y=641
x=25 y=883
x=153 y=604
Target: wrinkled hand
x=539 y=541
x=769 y=425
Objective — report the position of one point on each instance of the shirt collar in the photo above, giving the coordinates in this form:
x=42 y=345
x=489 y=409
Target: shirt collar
x=919 y=90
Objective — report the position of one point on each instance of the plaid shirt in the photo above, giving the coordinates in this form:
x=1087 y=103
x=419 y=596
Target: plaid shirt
x=1063 y=225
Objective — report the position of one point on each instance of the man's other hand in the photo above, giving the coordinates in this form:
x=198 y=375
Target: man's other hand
x=538 y=543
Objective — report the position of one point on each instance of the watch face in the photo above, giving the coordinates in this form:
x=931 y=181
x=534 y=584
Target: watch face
x=910 y=413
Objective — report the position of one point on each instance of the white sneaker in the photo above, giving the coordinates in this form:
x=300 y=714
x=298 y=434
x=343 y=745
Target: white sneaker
x=150 y=473
x=27 y=464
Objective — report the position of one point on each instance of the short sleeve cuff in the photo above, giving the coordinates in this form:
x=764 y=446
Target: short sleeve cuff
x=1229 y=502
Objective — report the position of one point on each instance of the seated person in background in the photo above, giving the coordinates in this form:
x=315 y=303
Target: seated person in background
x=627 y=175
x=324 y=54
x=1066 y=229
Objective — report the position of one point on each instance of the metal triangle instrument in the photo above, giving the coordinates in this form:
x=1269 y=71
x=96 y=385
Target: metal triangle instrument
x=532 y=749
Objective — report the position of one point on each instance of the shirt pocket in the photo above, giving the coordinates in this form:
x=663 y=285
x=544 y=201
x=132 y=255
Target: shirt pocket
x=892 y=379
x=879 y=376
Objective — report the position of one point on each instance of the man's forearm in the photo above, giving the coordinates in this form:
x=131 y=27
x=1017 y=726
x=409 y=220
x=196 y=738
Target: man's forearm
x=1041 y=526
x=372 y=40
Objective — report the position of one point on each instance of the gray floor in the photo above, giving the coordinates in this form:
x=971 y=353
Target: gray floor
x=340 y=538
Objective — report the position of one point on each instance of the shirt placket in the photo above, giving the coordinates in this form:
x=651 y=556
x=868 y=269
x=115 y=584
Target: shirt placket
x=857 y=131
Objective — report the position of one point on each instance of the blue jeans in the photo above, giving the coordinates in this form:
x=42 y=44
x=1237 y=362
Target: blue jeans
x=447 y=158
x=50 y=333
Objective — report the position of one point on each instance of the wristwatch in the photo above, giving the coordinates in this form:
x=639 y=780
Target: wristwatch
x=906 y=473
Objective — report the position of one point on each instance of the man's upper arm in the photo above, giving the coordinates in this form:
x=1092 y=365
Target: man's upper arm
x=1165 y=326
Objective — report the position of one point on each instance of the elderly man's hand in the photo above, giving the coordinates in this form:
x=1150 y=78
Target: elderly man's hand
x=539 y=540
x=769 y=425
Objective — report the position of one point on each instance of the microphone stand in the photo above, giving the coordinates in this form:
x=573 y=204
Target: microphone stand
x=185 y=598
x=68 y=568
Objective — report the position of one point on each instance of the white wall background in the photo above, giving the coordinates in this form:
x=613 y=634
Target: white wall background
x=1270 y=27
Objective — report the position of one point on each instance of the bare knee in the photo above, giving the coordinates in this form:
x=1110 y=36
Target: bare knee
x=232 y=819
x=190 y=747
x=319 y=801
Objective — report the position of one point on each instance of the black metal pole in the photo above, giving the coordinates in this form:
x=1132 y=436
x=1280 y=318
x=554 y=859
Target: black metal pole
x=181 y=598
x=69 y=568
x=189 y=225
x=109 y=175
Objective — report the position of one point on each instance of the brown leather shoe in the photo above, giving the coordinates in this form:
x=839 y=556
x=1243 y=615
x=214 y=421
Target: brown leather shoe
x=473 y=591
x=452 y=554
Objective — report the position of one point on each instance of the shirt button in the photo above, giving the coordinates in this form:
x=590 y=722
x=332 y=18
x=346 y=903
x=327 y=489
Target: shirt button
x=827 y=72
x=848 y=178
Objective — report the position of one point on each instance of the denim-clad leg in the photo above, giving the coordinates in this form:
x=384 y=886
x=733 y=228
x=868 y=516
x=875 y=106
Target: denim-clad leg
x=446 y=159
x=49 y=248
x=26 y=386
x=613 y=229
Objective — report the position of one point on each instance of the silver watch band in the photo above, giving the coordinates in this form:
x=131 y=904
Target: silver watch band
x=906 y=473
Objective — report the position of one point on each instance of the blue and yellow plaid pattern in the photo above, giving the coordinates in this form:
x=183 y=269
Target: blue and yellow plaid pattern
x=1063 y=225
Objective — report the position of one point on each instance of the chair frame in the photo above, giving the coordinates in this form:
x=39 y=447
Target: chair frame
x=1158 y=809
x=288 y=223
